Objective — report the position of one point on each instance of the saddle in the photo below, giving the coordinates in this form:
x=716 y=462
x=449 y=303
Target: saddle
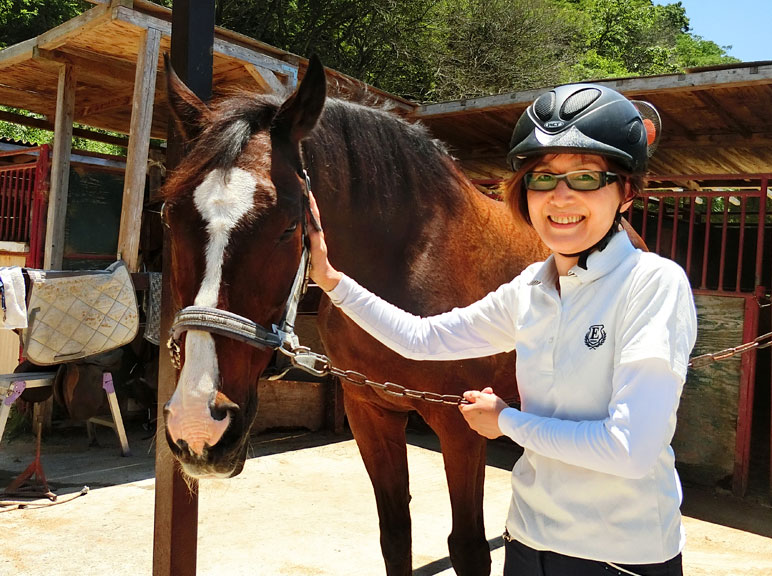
x=73 y=315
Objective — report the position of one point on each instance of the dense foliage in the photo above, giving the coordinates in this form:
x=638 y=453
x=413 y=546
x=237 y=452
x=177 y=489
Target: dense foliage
x=446 y=49
x=24 y=19
x=434 y=50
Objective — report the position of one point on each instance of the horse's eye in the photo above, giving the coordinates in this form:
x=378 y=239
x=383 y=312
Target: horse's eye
x=289 y=231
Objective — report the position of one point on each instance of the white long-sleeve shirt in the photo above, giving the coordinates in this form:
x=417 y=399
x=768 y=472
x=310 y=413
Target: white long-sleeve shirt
x=600 y=369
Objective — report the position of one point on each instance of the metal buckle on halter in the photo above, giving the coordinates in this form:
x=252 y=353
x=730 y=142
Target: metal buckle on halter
x=289 y=340
x=310 y=362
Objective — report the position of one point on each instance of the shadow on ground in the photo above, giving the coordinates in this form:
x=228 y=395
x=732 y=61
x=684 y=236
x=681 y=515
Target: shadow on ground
x=70 y=463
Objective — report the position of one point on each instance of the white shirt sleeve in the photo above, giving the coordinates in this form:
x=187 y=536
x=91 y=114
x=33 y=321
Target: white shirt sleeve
x=640 y=422
x=483 y=328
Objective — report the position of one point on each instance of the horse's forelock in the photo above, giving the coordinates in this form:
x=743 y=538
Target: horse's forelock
x=236 y=119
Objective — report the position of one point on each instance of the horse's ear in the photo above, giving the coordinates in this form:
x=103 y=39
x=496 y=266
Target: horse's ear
x=189 y=112
x=300 y=112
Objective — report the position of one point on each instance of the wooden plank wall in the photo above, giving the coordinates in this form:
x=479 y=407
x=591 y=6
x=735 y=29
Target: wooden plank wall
x=705 y=437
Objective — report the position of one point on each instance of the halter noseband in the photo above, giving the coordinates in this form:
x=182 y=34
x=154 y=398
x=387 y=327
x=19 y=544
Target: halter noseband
x=236 y=327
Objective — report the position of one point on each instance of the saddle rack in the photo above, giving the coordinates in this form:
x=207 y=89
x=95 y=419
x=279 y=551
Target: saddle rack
x=72 y=315
x=32 y=482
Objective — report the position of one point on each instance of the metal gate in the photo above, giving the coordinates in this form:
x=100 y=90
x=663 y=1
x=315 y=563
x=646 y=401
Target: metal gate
x=23 y=204
x=720 y=233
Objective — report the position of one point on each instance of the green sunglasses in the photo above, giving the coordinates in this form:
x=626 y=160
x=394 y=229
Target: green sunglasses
x=581 y=180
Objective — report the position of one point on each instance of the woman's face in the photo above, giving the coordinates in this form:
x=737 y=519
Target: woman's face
x=570 y=221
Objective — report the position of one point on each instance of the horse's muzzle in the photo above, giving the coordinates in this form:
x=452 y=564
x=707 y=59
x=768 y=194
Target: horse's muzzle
x=209 y=445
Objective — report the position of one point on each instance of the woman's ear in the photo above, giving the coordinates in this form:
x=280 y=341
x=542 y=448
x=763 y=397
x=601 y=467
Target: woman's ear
x=627 y=197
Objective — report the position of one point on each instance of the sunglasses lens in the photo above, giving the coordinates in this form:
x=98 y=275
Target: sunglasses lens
x=540 y=181
x=585 y=180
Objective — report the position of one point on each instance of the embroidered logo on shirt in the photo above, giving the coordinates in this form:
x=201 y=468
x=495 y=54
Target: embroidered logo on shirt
x=595 y=336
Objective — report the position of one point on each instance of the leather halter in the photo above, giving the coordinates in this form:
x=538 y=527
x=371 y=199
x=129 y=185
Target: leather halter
x=236 y=327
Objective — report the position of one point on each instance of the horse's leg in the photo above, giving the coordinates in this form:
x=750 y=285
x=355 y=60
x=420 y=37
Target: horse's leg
x=380 y=436
x=463 y=452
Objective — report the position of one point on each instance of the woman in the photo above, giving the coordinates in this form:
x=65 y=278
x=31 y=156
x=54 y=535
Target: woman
x=602 y=332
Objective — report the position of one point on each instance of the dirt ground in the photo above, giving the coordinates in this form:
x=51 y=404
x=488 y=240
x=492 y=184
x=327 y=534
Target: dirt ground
x=303 y=507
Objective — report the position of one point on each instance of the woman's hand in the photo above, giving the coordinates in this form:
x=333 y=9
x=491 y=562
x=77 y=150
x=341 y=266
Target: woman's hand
x=322 y=272
x=482 y=412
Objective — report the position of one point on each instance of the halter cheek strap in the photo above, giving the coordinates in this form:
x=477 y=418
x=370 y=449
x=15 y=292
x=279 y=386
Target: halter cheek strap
x=243 y=329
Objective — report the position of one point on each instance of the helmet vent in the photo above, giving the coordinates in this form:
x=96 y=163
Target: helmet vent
x=635 y=133
x=578 y=101
x=545 y=106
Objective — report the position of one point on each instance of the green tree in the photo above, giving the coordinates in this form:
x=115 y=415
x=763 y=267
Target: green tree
x=637 y=37
x=493 y=46
x=694 y=51
x=378 y=41
x=24 y=19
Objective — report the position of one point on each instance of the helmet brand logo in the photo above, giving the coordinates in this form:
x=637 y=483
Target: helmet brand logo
x=595 y=336
x=554 y=124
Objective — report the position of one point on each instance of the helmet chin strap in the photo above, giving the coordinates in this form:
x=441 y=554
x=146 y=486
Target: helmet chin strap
x=599 y=245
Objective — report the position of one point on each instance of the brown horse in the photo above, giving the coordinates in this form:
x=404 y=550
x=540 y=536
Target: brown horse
x=399 y=216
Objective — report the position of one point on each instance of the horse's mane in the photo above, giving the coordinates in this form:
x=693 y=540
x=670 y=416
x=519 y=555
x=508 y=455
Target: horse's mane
x=388 y=160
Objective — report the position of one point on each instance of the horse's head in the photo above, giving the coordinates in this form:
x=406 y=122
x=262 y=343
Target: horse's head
x=235 y=209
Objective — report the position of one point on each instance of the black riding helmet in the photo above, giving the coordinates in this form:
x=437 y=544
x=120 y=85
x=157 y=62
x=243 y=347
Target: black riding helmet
x=581 y=119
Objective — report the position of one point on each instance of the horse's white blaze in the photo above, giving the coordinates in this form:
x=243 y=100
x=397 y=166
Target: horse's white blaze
x=222 y=199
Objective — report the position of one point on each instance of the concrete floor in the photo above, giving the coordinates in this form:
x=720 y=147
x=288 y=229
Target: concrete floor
x=303 y=506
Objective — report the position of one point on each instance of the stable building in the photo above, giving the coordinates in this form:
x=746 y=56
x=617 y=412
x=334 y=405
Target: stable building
x=706 y=206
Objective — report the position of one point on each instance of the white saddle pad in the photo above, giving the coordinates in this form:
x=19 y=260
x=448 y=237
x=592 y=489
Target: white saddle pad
x=73 y=315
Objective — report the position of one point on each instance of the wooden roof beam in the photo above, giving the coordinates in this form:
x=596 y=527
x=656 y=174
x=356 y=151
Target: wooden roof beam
x=77 y=132
x=726 y=114
x=17 y=53
x=265 y=79
x=221 y=47
x=742 y=74
x=58 y=36
x=122 y=101
x=722 y=141
x=101 y=66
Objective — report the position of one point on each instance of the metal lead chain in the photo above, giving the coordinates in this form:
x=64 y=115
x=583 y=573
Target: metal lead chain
x=763 y=341
x=320 y=365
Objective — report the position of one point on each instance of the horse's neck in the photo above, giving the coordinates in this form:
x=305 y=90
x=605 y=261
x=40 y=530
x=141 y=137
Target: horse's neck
x=429 y=247
x=428 y=260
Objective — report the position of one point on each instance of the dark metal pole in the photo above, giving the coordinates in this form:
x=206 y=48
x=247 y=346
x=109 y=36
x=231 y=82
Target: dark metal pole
x=176 y=500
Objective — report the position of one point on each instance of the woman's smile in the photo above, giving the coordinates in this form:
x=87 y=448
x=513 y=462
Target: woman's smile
x=561 y=221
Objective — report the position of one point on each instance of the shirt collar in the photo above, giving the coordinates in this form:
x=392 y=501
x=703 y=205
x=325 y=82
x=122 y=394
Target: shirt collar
x=599 y=263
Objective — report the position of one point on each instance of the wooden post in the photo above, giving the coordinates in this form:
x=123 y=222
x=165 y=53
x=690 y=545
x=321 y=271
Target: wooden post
x=176 y=502
x=139 y=144
x=60 y=169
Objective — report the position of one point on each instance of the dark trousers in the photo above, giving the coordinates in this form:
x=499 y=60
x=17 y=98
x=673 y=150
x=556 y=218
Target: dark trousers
x=520 y=560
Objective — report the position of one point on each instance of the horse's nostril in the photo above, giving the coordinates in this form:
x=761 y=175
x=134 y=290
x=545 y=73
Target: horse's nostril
x=221 y=405
x=182 y=445
x=220 y=410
